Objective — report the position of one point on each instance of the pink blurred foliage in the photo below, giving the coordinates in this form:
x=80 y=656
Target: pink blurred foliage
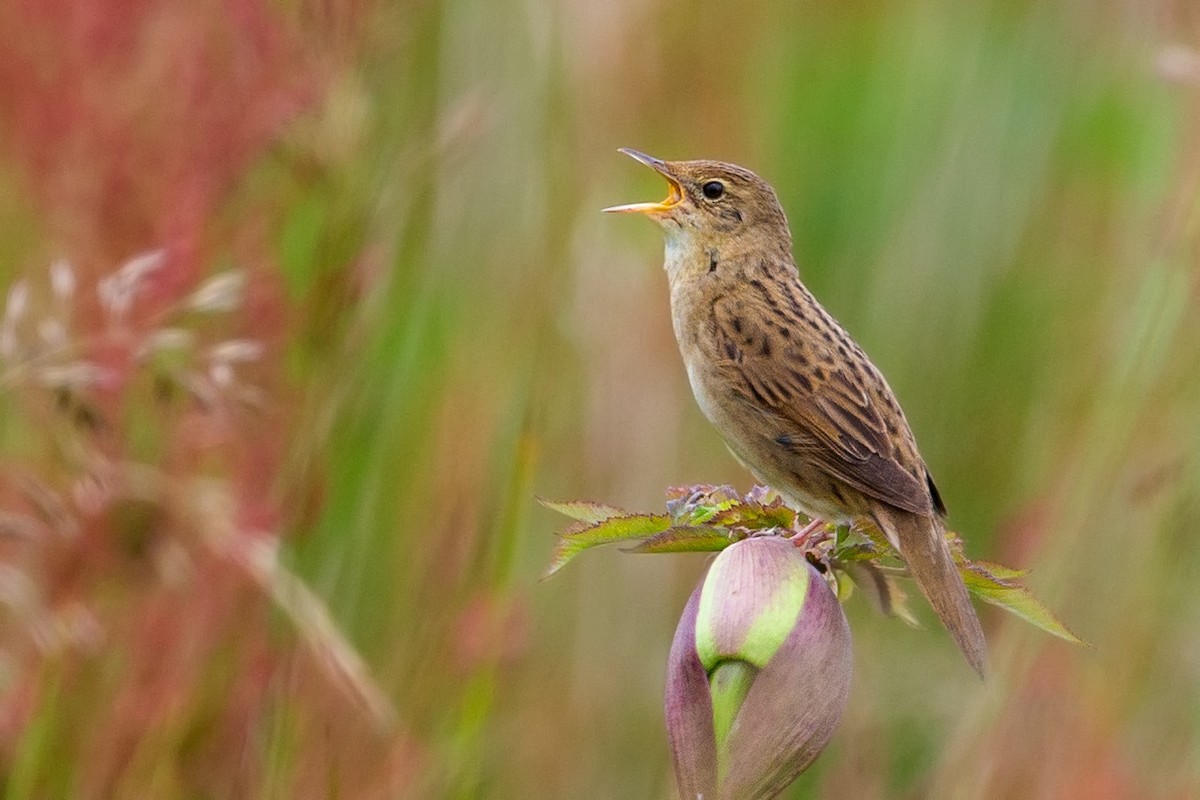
x=137 y=556
x=1088 y=763
x=493 y=629
x=134 y=118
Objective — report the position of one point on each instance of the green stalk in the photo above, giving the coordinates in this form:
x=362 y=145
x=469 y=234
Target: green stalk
x=729 y=683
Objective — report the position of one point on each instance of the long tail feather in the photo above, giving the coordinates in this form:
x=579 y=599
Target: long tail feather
x=922 y=542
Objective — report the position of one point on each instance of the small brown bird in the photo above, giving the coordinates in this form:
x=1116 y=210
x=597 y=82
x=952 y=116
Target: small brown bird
x=797 y=401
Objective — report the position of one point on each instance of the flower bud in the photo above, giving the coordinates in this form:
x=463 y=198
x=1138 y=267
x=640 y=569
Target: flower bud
x=758 y=675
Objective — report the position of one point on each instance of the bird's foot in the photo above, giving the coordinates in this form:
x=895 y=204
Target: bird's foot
x=801 y=537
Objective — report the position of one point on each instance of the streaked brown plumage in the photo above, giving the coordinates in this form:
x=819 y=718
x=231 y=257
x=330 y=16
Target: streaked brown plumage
x=797 y=401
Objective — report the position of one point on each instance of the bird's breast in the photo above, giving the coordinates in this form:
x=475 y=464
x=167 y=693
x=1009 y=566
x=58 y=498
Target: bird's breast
x=712 y=391
x=702 y=390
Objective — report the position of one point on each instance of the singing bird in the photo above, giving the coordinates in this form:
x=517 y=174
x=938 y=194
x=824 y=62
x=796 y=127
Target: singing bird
x=796 y=399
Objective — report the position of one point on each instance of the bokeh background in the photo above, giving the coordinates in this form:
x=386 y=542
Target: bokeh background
x=284 y=542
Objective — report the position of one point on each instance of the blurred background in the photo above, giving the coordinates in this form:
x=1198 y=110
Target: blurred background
x=308 y=301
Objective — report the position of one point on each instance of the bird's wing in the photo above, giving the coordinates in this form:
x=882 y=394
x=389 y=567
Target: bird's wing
x=820 y=408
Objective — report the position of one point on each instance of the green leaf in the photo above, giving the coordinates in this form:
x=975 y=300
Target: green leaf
x=754 y=516
x=853 y=547
x=859 y=552
x=957 y=549
x=695 y=505
x=584 y=510
x=613 y=529
x=1015 y=599
x=703 y=513
x=687 y=539
x=729 y=684
x=1000 y=572
x=876 y=537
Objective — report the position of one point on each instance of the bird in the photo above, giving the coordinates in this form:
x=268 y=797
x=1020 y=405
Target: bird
x=796 y=399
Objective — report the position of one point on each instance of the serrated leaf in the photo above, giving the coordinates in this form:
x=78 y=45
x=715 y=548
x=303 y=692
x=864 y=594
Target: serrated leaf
x=1017 y=600
x=884 y=552
x=845 y=535
x=691 y=505
x=686 y=539
x=755 y=516
x=584 y=510
x=614 y=529
x=999 y=571
x=703 y=512
x=857 y=551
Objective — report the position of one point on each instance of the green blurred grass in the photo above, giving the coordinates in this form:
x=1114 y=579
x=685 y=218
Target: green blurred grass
x=982 y=194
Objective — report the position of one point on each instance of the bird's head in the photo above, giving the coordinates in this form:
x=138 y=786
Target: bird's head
x=712 y=204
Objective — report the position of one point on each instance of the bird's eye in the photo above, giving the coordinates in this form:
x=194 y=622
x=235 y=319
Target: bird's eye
x=713 y=189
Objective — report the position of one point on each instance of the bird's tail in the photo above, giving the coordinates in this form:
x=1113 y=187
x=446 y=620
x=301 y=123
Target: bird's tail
x=922 y=542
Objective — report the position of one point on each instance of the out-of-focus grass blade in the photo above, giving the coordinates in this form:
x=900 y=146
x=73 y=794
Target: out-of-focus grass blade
x=27 y=773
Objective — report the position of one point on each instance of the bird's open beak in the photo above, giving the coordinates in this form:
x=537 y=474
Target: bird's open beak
x=659 y=166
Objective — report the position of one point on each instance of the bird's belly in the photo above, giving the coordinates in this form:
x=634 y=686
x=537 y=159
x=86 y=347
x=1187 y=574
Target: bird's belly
x=704 y=398
x=770 y=463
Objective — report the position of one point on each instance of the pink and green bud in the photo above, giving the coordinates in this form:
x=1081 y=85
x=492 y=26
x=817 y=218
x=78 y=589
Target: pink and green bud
x=759 y=673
